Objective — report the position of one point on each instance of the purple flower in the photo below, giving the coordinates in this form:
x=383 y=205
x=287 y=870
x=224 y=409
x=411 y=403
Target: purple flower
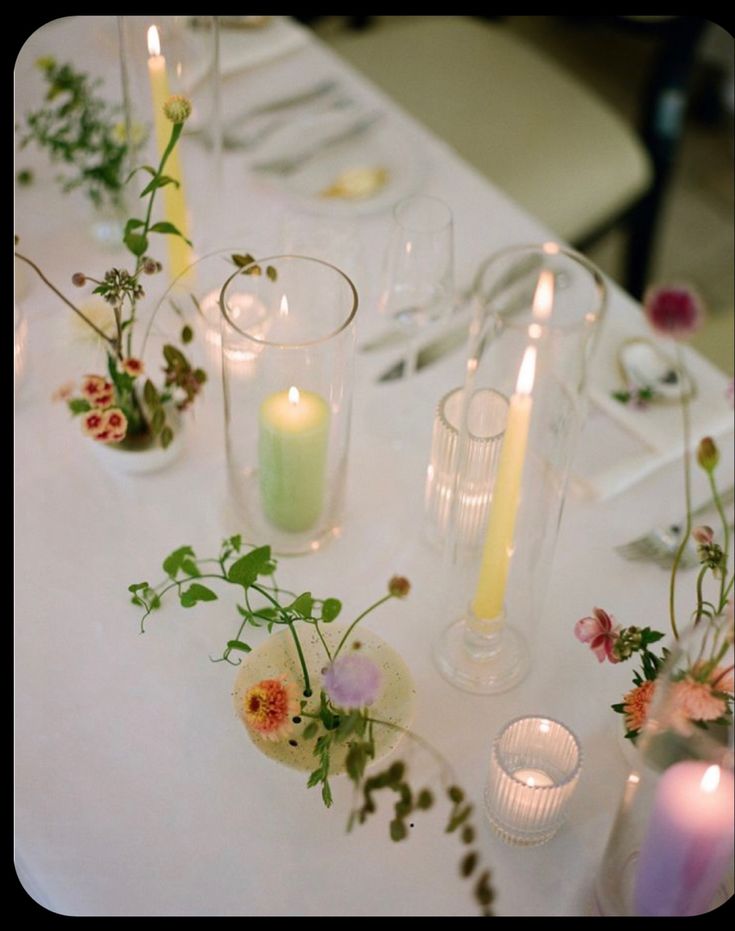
x=352 y=681
x=673 y=310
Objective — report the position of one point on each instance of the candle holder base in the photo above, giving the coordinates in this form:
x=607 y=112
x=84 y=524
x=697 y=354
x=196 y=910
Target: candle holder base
x=483 y=663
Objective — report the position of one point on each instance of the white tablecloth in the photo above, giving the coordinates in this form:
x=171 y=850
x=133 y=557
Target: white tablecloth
x=137 y=789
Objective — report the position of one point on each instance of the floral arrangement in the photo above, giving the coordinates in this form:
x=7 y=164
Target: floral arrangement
x=114 y=408
x=340 y=716
x=703 y=689
x=81 y=130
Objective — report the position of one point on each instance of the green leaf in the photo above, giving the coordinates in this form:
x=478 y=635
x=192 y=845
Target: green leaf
x=158 y=420
x=242 y=260
x=330 y=609
x=168 y=229
x=458 y=819
x=160 y=181
x=187 y=335
x=424 y=800
x=236 y=542
x=619 y=707
x=246 y=570
x=302 y=605
x=137 y=586
x=200 y=376
x=651 y=636
x=397 y=830
x=167 y=434
x=133 y=224
x=195 y=593
x=271 y=272
x=326 y=794
x=254 y=270
x=189 y=567
x=174 y=356
x=137 y=243
x=173 y=562
x=150 y=395
x=314 y=778
x=355 y=762
x=468 y=864
x=151 y=171
x=310 y=730
x=238 y=645
x=79 y=406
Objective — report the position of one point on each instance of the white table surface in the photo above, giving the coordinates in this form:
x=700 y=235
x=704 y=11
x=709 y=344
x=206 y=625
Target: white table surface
x=137 y=789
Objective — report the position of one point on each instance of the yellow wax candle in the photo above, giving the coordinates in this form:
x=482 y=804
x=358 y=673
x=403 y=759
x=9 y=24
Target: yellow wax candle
x=180 y=255
x=292 y=458
x=488 y=601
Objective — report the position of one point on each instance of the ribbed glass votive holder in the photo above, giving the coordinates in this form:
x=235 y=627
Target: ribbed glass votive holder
x=534 y=770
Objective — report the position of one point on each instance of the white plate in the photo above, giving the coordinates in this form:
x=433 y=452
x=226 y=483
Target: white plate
x=381 y=146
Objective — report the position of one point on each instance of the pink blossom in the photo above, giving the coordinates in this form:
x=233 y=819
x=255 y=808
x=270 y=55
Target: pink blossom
x=133 y=367
x=703 y=534
x=673 y=310
x=600 y=633
x=93 y=423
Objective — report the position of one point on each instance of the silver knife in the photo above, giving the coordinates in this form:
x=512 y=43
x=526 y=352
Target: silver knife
x=288 y=164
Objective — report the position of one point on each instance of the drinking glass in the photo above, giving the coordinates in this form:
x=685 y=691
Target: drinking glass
x=418 y=274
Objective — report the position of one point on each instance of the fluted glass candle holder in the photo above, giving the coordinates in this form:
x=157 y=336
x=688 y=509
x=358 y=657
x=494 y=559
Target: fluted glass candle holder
x=287 y=381
x=534 y=770
x=533 y=332
x=487 y=415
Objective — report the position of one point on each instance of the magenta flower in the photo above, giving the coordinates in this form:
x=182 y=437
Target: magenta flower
x=598 y=631
x=673 y=310
x=352 y=681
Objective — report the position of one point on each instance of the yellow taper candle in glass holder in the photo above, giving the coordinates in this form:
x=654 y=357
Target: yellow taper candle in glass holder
x=180 y=255
x=292 y=458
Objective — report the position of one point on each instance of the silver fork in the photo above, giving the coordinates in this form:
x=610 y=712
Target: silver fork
x=660 y=544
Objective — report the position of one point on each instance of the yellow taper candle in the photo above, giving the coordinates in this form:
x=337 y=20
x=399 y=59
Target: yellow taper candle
x=490 y=593
x=488 y=601
x=180 y=255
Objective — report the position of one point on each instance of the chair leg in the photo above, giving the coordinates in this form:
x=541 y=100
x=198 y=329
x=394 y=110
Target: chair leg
x=662 y=126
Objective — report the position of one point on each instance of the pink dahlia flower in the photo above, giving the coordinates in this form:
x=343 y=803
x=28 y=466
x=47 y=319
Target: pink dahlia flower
x=673 y=310
x=600 y=632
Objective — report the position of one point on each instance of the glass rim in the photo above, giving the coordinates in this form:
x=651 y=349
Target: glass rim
x=537 y=717
x=416 y=198
x=278 y=345
x=485 y=440
x=551 y=249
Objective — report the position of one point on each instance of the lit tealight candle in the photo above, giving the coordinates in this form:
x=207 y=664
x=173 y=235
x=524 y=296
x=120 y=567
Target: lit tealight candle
x=689 y=844
x=179 y=252
x=292 y=457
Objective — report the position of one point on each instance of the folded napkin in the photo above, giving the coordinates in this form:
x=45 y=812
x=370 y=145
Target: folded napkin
x=622 y=444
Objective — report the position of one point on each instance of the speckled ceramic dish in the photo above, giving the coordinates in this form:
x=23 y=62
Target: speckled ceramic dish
x=277 y=656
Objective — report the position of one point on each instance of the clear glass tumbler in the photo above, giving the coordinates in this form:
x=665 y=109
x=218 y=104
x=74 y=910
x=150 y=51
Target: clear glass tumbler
x=287 y=380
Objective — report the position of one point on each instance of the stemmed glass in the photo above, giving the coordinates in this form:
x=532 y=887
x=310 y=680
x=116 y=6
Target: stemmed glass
x=418 y=274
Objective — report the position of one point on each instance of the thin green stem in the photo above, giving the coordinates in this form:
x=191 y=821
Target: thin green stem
x=687 y=490
x=305 y=671
x=700 y=597
x=321 y=637
x=358 y=619
x=725 y=529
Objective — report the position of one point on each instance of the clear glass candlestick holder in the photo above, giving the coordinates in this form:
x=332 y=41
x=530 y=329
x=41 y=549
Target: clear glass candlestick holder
x=487 y=415
x=534 y=770
x=287 y=382
x=537 y=312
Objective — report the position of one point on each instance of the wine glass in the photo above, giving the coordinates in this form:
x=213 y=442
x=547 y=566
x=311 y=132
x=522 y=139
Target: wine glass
x=418 y=273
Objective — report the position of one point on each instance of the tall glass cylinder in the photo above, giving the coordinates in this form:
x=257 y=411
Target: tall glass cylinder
x=287 y=375
x=534 y=330
x=670 y=850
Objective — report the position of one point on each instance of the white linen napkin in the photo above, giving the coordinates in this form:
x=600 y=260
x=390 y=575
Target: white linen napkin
x=622 y=444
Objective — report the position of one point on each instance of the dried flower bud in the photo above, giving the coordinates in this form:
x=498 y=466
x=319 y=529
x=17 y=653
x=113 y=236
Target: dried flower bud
x=703 y=534
x=708 y=455
x=399 y=587
x=177 y=108
x=78 y=279
x=151 y=266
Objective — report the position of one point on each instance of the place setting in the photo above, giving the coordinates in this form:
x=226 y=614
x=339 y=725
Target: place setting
x=346 y=523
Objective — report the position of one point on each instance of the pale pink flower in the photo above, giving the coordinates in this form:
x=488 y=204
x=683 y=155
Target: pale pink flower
x=63 y=392
x=93 y=386
x=703 y=534
x=269 y=707
x=696 y=701
x=636 y=704
x=600 y=633
x=93 y=423
x=673 y=310
x=133 y=367
x=116 y=423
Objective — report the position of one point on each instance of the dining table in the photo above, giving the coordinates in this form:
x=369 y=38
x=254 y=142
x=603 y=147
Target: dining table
x=137 y=790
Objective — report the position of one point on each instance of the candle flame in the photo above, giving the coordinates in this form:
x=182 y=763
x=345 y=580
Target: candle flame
x=293 y=395
x=527 y=371
x=530 y=781
x=543 y=299
x=154 y=43
x=544 y=727
x=284 y=306
x=711 y=779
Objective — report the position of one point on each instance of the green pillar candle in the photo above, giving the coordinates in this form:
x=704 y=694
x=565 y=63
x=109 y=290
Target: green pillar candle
x=292 y=455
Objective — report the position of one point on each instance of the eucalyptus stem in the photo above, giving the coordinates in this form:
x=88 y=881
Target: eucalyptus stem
x=359 y=618
x=687 y=491
x=66 y=300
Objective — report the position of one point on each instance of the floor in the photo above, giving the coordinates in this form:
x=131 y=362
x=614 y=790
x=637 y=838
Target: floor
x=696 y=240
